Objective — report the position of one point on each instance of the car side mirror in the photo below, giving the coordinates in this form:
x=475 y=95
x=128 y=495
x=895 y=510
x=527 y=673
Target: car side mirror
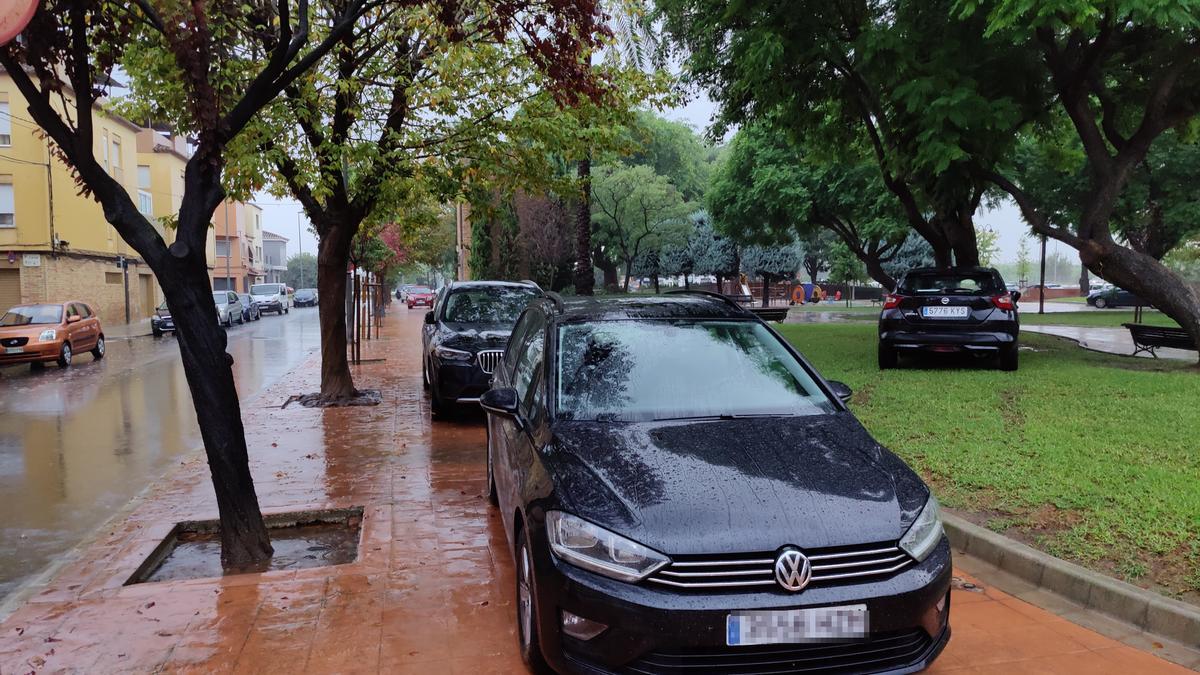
x=502 y=401
x=429 y=317
x=840 y=390
x=74 y=318
x=1016 y=297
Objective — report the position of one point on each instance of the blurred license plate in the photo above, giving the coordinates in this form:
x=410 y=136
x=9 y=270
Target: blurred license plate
x=13 y=350
x=945 y=312
x=819 y=624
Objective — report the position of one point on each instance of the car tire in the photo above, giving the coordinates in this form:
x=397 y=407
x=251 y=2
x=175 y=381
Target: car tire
x=424 y=375
x=492 y=497
x=888 y=358
x=1008 y=357
x=1101 y=303
x=527 y=629
x=156 y=332
x=285 y=310
x=65 y=356
x=98 y=350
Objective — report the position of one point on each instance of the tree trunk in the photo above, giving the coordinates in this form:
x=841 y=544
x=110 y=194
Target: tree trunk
x=1084 y=282
x=207 y=367
x=627 y=273
x=585 y=281
x=720 y=284
x=609 y=269
x=687 y=286
x=960 y=233
x=656 y=283
x=333 y=256
x=766 y=291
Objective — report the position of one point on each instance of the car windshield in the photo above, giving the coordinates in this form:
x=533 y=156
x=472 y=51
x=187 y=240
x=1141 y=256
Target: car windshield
x=221 y=298
x=657 y=370
x=244 y=298
x=498 y=305
x=947 y=283
x=264 y=289
x=31 y=314
x=305 y=293
x=419 y=289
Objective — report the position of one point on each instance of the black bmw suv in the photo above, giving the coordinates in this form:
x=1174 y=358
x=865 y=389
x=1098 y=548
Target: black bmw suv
x=960 y=309
x=464 y=335
x=683 y=492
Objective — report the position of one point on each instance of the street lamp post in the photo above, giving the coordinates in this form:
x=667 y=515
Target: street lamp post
x=300 y=245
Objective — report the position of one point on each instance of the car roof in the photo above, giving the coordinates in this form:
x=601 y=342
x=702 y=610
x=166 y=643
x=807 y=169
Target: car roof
x=671 y=306
x=456 y=285
x=952 y=270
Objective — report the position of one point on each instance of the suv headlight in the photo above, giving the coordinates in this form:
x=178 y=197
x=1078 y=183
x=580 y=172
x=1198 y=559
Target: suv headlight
x=448 y=354
x=594 y=548
x=925 y=533
x=48 y=335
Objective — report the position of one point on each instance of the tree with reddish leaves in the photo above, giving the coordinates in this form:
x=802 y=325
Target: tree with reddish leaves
x=215 y=65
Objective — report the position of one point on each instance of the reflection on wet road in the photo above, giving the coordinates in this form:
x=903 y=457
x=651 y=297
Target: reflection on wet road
x=77 y=445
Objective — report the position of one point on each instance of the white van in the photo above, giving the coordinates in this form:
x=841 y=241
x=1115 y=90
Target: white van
x=271 y=298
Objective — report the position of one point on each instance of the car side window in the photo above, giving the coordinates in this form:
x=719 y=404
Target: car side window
x=72 y=310
x=514 y=341
x=87 y=311
x=527 y=379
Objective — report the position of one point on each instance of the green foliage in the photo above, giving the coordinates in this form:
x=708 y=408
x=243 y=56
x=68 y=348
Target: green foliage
x=673 y=150
x=301 y=271
x=635 y=210
x=844 y=266
x=914 y=252
x=987 y=241
x=772 y=261
x=1024 y=262
x=710 y=252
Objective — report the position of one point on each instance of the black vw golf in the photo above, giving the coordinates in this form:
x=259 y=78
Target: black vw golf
x=683 y=492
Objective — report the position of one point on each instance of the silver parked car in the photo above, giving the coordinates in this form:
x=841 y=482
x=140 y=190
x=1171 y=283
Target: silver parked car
x=229 y=308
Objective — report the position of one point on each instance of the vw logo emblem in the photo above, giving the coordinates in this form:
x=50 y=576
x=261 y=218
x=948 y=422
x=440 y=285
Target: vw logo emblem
x=792 y=570
x=945 y=301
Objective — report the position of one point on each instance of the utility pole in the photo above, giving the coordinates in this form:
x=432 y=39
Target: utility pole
x=300 y=244
x=1042 y=290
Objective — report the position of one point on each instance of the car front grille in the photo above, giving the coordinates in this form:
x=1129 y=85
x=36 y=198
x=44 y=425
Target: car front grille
x=883 y=652
x=829 y=565
x=489 y=359
x=15 y=342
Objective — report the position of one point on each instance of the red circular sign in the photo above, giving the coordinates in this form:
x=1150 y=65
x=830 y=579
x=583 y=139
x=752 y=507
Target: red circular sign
x=14 y=16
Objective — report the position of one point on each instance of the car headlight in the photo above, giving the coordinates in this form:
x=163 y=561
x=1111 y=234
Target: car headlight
x=925 y=533
x=594 y=548
x=48 y=335
x=448 y=354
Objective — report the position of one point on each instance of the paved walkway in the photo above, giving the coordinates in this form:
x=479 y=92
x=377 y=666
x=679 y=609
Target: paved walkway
x=432 y=591
x=1109 y=340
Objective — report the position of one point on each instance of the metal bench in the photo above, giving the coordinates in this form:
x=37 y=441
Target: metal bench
x=1148 y=338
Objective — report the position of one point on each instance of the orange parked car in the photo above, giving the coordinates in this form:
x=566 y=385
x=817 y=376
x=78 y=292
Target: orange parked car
x=49 y=332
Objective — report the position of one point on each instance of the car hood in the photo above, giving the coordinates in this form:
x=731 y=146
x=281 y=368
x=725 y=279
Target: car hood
x=474 y=336
x=30 y=330
x=731 y=486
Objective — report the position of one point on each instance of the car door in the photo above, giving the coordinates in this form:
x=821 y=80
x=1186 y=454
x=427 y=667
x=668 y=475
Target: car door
x=77 y=331
x=92 y=323
x=512 y=447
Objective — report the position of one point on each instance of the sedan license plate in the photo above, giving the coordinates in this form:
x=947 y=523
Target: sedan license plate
x=13 y=350
x=945 y=312
x=784 y=626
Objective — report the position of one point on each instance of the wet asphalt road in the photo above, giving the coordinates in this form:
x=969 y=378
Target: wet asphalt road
x=77 y=445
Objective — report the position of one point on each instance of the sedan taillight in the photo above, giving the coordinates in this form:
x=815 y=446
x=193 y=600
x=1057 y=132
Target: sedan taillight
x=892 y=301
x=1004 y=301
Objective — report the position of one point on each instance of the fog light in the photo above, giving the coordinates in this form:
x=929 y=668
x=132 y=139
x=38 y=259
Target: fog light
x=581 y=628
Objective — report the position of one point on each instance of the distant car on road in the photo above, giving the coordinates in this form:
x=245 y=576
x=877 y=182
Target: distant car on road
x=306 y=297
x=962 y=309
x=271 y=297
x=419 y=296
x=402 y=292
x=229 y=308
x=162 y=322
x=37 y=334
x=465 y=335
x=1114 y=297
x=250 y=311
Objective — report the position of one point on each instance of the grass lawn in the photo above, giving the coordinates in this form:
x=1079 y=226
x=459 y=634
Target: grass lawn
x=1092 y=457
x=1109 y=318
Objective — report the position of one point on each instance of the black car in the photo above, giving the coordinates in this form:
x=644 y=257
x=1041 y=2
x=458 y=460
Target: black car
x=683 y=492
x=464 y=335
x=250 y=309
x=1114 y=297
x=961 y=309
x=305 y=297
x=162 y=322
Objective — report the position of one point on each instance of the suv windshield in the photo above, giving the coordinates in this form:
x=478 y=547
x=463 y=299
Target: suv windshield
x=221 y=297
x=264 y=289
x=947 y=283
x=655 y=370
x=23 y=316
x=487 y=305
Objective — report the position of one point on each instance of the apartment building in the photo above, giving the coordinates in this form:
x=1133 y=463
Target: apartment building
x=239 y=260
x=275 y=257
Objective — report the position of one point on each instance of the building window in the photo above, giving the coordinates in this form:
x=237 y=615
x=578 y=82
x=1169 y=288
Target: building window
x=223 y=248
x=143 y=177
x=113 y=278
x=8 y=212
x=104 y=149
x=145 y=203
x=5 y=125
x=117 y=172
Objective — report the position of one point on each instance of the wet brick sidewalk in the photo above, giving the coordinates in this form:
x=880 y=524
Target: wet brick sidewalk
x=432 y=591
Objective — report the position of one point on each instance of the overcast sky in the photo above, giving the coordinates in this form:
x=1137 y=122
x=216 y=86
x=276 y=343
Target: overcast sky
x=280 y=216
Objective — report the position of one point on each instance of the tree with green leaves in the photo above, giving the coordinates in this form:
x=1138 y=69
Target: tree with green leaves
x=410 y=103
x=207 y=70
x=1024 y=262
x=772 y=262
x=1121 y=75
x=711 y=253
x=301 y=271
x=989 y=245
x=637 y=210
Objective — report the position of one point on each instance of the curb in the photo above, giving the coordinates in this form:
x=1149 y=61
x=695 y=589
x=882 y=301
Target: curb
x=1146 y=610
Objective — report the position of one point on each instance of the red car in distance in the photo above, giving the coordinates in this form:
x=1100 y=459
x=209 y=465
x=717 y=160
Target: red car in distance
x=420 y=296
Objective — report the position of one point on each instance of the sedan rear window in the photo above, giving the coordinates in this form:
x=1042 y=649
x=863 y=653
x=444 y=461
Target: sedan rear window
x=32 y=314
x=487 y=305
x=654 y=370
x=951 y=283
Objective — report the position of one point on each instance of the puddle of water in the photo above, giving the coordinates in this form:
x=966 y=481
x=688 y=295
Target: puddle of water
x=197 y=555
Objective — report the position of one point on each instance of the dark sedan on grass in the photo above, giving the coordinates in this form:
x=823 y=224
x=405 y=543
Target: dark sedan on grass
x=683 y=492
x=1107 y=298
x=965 y=310
x=464 y=335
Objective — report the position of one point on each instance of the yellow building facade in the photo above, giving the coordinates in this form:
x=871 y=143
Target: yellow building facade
x=55 y=243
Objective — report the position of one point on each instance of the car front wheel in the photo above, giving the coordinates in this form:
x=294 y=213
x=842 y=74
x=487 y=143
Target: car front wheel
x=527 y=632
x=65 y=356
x=493 y=498
x=98 y=350
x=1101 y=303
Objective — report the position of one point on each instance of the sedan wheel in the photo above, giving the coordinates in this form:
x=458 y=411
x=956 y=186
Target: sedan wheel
x=491 y=476
x=64 y=356
x=531 y=648
x=1101 y=303
x=98 y=350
